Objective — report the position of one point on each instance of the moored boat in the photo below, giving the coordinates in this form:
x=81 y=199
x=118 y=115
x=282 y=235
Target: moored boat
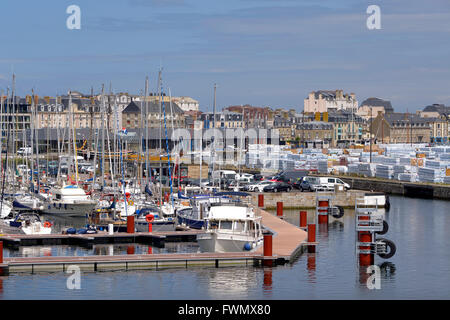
x=231 y=227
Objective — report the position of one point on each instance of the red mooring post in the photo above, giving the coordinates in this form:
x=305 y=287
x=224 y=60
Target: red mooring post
x=1 y=252
x=150 y=227
x=323 y=213
x=267 y=251
x=365 y=259
x=130 y=250
x=260 y=200
x=303 y=219
x=130 y=224
x=311 y=237
x=267 y=245
x=279 y=209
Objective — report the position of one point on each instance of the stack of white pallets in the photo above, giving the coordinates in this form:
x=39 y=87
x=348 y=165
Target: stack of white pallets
x=322 y=166
x=405 y=177
x=367 y=169
x=430 y=175
x=353 y=168
x=384 y=171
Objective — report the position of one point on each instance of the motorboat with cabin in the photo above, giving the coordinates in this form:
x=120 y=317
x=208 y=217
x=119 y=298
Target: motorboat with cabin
x=70 y=200
x=231 y=226
x=196 y=209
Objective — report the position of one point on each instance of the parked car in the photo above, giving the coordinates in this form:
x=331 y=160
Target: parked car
x=277 y=187
x=297 y=183
x=309 y=183
x=258 y=187
x=257 y=177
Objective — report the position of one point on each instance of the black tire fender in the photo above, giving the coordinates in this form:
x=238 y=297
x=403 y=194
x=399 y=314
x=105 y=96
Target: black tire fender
x=385 y=228
x=341 y=212
x=391 y=251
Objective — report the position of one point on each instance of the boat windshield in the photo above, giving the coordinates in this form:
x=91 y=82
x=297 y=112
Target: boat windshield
x=226 y=225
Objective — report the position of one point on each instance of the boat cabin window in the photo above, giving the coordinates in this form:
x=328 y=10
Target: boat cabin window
x=58 y=196
x=225 y=225
x=239 y=226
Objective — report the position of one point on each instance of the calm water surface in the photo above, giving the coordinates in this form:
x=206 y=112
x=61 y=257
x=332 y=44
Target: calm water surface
x=419 y=270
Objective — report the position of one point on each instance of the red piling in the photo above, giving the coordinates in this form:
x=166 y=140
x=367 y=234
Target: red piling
x=260 y=200
x=268 y=245
x=1 y=251
x=303 y=219
x=323 y=213
x=311 y=237
x=365 y=259
x=279 y=209
x=267 y=251
x=130 y=250
x=130 y=224
x=150 y=227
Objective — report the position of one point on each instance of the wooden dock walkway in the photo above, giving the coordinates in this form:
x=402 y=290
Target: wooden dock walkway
x=288 y=242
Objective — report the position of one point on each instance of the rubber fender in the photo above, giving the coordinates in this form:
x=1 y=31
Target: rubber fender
x=385 y=228
x=391 y=251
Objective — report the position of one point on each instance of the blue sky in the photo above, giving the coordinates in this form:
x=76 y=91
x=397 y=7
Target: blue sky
x=264 y=52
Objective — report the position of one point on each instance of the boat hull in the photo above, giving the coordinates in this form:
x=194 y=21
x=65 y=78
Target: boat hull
x=157 y=226
x=216 y=242
x=69 y=210
x=191 y=223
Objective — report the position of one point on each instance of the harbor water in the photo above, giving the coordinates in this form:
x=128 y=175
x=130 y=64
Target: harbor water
x=420 y=269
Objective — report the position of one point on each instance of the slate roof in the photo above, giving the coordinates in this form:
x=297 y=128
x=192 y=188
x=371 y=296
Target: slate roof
x=400 y=118
x=442 y=109
x=153 y=107
x=377 y=102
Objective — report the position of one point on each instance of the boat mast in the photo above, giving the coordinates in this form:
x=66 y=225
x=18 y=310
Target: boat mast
x=14 y=118
x=102 y=178
x=58 y=129
x=160 y=140
x=74 y=140
x=34 y=103
x=167 y=147
x=148 y=166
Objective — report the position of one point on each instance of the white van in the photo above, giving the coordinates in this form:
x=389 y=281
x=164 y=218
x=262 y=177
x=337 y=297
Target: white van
x=24 y=151
x=224 y=174
x=246 y=177
x=328 y=183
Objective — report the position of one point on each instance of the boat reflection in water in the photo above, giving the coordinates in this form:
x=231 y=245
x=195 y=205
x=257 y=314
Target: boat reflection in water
x=231 y=283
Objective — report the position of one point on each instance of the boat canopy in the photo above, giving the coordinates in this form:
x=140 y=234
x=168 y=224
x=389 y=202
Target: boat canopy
x=232 y=193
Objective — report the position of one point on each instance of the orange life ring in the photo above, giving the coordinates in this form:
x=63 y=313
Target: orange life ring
x=47 y=224
x=149 y=218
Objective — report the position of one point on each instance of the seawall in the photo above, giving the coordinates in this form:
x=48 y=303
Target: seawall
x=307 y=200
x=409 y=189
